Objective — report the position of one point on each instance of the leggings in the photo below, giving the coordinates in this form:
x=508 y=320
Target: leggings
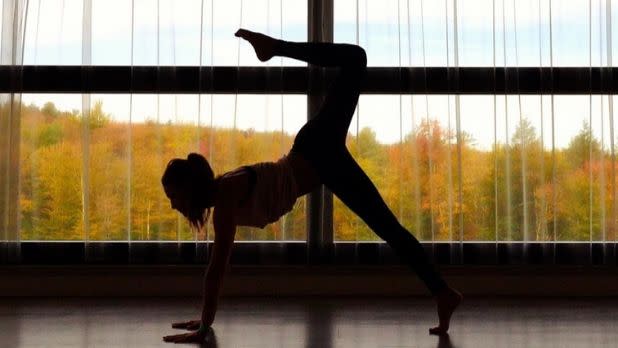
x=322 y=142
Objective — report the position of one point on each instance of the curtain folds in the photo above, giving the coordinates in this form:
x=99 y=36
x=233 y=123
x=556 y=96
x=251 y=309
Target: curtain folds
x=517 y=170
x=14 y=13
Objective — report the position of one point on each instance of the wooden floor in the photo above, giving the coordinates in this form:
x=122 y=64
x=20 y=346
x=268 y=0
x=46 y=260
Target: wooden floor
x=310 y=322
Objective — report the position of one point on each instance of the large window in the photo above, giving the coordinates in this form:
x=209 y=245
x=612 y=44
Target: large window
x=504 y=167
x=90 y=165
x=511 y=175
x=119 y=149
x=479 y=33
x=486 y=122
x=155 y=32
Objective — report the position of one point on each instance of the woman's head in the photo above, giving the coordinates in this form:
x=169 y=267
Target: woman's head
x=189 y=184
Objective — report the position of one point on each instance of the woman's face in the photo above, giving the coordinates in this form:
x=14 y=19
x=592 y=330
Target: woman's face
x=178 y=199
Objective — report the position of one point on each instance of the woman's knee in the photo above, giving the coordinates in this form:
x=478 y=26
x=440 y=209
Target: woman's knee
x=355 y=56
x=361 y=56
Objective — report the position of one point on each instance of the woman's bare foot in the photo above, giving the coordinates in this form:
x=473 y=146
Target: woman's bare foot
x=447 y=301
x=263 y=45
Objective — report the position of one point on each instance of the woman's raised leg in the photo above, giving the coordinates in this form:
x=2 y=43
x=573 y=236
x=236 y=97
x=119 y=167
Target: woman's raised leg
x=333 y=118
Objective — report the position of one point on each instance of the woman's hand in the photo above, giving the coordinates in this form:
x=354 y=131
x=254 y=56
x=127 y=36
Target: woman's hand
x=263 y=45
x=190 y=337
x=187 y=325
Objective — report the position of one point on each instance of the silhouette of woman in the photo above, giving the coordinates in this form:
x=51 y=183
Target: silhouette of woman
x=260 y=194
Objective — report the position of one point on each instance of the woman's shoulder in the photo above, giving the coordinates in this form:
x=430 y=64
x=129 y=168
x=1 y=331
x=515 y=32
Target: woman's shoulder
x=240 y=171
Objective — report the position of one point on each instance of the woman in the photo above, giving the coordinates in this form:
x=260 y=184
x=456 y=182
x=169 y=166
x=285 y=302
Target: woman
x=260 y=194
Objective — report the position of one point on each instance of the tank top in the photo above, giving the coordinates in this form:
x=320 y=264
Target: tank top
x=272 y=193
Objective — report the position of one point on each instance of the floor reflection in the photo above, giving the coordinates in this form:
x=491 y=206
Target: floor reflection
x=211 y=339
x=317 y=322
x=445 y=342
x=356 y=323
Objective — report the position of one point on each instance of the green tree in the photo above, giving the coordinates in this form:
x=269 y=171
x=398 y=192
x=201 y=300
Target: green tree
x=97 y=118
x=50 y=110
x=580 y=214
x=582 y=147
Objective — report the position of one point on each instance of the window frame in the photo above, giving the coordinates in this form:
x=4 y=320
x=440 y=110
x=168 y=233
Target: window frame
x=305 y=80
x=320 y=247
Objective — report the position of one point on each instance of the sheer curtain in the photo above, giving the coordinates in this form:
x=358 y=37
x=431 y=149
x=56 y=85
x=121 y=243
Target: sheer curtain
x=86 y=167
x=506 y=167
x=515 y=169
x=11 y=52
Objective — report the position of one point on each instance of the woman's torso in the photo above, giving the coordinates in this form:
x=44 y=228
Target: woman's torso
x=271 y=188
x=307 y=178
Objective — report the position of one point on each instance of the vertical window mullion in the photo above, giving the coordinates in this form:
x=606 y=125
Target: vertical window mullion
x=320 y=202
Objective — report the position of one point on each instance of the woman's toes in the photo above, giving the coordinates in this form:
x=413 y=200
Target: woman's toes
x=438 y=331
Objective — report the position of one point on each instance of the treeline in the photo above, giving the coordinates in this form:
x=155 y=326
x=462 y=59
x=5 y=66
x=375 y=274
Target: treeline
x=515 y=192
x=519 y=191
x=67 y=159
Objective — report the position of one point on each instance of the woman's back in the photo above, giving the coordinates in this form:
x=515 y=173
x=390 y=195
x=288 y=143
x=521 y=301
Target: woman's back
x=272 y=192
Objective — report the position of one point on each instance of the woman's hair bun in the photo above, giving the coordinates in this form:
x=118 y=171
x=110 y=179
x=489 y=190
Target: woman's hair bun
x=200 y=164
x=195 y=158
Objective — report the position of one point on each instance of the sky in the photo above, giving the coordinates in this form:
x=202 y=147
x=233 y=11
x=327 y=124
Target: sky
x=394 y=33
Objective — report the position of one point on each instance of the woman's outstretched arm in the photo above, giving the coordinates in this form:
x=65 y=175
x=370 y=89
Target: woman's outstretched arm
x=317 y=53
x=230 y=190
x=225 y=230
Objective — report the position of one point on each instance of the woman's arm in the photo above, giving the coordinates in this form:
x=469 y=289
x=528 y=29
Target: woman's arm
x=230 y=189
x=225 y=230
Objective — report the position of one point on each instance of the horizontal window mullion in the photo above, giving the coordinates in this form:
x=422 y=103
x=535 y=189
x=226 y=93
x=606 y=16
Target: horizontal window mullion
x=294 y=80
x=280 y=253
x=150 y=79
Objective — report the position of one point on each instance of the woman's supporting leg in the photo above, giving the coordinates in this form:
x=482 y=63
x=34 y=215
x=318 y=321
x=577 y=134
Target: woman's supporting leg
x=344 y=177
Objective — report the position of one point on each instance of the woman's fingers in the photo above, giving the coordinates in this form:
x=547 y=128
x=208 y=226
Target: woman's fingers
x=180 y=325
x=184 y=338
x=189 y=325
x=175 y=338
